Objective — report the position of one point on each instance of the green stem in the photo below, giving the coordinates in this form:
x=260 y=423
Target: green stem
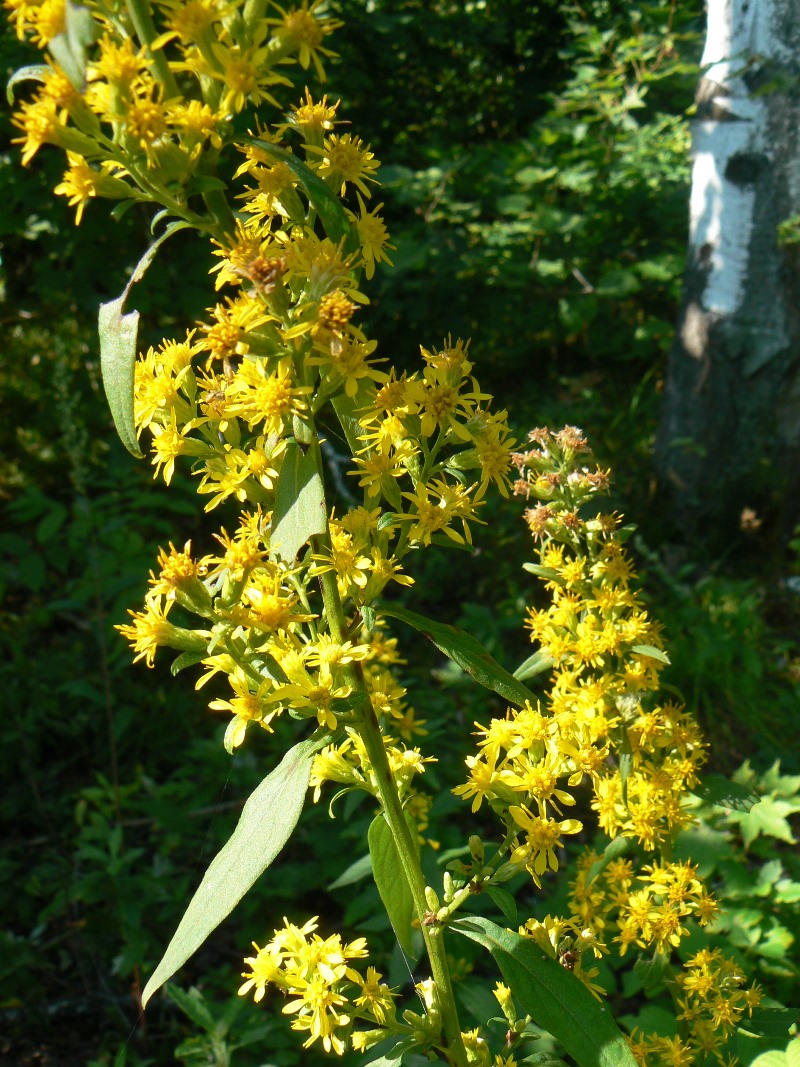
x=367 y=725
x=139 y=11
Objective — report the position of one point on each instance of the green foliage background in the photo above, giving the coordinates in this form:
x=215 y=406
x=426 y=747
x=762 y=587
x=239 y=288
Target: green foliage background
x=536 y=182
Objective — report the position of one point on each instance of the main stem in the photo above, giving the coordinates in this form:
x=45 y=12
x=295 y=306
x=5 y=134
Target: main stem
x=393 y=810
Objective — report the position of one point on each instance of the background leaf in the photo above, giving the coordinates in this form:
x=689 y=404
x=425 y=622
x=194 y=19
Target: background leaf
x=714 y=789
x=618 y=847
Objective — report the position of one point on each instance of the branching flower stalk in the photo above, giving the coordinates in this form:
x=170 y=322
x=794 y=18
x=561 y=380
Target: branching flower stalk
x=151 y=104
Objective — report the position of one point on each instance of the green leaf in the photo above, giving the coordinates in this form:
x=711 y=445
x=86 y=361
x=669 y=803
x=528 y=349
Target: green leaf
x=35 y=73
x=770 y=1021
x=554 y=998
x=203 y=183
x=504 y=900
x=394 y=1057
x=477 y=1000
x=118 y=348
x=327 y=205
x=186 y=659
x=625 y=766
x=391 y=881
x=347 y=410
x=468 y=653
x=533 y=665
x=652 y=652
x=618 y=847
x=652 y=971
x=354 y=873
x=265 y=825
x=547 y=573
x=193 y=1006
x=300 y=510
x=773 y=1058
x=768 y=817
x=724 y=793
x=69 y=49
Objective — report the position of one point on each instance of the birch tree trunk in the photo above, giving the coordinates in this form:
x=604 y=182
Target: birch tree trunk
x=729 y=436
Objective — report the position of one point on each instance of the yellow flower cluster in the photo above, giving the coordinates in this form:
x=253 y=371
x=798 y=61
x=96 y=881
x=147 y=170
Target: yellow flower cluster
x=262 y=636
x=712 y=1000
x=568 y=941
x=601 y=722
x=326 y=995
x=650 y=909
x=240 y=394
x=143 y=110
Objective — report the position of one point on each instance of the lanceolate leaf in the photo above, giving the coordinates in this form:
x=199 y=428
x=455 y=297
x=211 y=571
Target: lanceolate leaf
x=392 y=884
x=468 y=653
x=554 y=998
x=299 y=503
x=327 y=204
x=37 y=73
x=118 y=333
x=347 y=409
x=504 y=900
x=69 y=48
x=265 y=825
x=651 y=651
x=361 y=868
x=535 y=664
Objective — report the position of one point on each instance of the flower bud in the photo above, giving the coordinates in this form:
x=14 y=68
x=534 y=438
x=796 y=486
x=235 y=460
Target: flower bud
x=431 y=899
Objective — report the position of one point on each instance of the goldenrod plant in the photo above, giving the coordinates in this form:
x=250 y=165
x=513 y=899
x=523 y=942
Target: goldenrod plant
x=292 y=605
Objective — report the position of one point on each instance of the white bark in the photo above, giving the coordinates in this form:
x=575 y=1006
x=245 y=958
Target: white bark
x=741 y=34
x=731 y=408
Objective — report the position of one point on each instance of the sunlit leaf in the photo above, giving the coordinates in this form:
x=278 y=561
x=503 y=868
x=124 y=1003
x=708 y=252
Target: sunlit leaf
x=70 y=47
x=651 y=651
x=391 y=881
x=265 y=825
x=118 y=333
x=327 y=205
x=299 y=511
x=536 y=664
x=36 y=73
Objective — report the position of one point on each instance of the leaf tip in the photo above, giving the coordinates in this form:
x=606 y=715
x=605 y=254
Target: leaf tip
x=148 y=991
